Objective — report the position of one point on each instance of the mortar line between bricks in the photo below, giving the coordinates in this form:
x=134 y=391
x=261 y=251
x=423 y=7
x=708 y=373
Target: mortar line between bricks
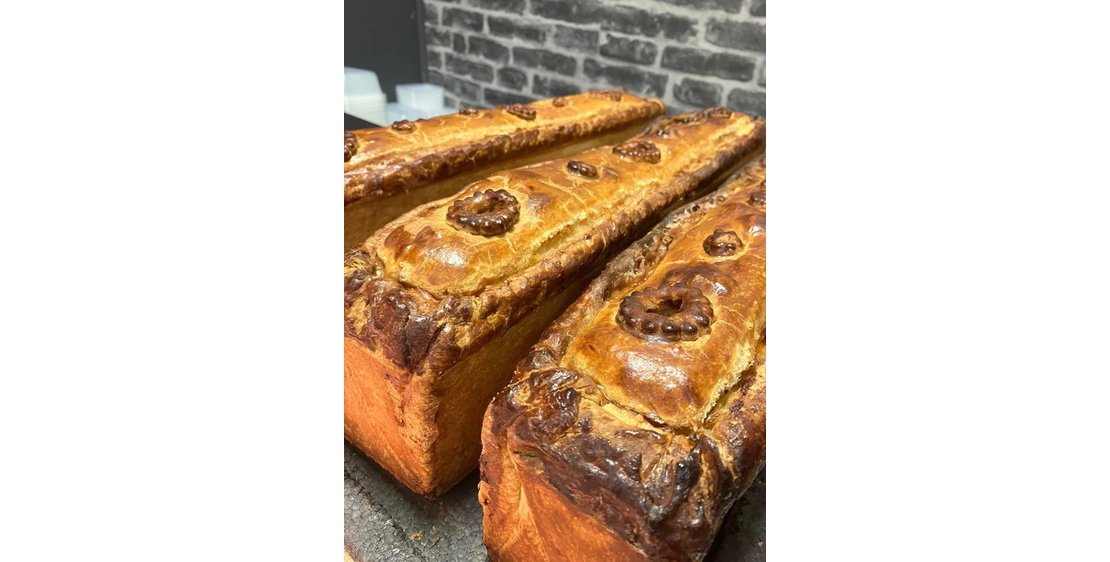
x=548 y=39
x=661 y=42
x=700 y=17
x=654 y=6
x=757 y=60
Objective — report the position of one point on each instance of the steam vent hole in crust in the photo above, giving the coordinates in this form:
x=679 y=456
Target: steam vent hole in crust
x=668 y=313
x=486 y=213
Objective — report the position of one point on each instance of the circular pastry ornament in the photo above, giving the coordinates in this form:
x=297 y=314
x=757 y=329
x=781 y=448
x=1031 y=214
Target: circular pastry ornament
x=468 y=111
x=404 y=126
x=350 y=145
x=722 y=243
x=525 y=112
x=719 y=112
x=580 y=168
x=758 y=199
x=638 y=150
x=559 y=102
x=668 y=313
x=486 y=213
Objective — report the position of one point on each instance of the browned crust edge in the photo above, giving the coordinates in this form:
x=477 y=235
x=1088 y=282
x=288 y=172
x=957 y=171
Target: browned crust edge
x=671 y=515
x=427 y=433
x=530 y=137
x=515 y=531
x=422 y=333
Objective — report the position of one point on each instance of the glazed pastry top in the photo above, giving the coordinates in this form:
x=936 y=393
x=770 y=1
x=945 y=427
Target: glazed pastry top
x=408 y=154
x=549 y=205
x=680 y=337
x=644 y=403
x=449 y=274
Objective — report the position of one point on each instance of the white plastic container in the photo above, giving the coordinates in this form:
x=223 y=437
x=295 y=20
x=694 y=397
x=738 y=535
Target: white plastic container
x=425 y=97
x=363 y=96
x=396 y=112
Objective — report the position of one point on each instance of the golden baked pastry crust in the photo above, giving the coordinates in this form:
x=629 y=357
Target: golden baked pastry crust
x=645 y=438
x=429 y=291
x=408 y=154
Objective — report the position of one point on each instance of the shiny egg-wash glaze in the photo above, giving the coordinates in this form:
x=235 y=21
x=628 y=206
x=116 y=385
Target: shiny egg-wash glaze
x=391 y=170
x=638 y=419
x=441 y=303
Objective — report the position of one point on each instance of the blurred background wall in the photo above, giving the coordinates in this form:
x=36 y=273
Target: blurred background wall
x=384 y=36
x=690 y=53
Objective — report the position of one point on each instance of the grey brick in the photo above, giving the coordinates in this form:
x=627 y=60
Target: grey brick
x=584 y=40
x=632 y=79
x=497 y=97
x=434 y=59
x=748 y=35
x=698 y=61
x=627 y=19
x=677 y=27
x=759 y=8
x=462 y=19
x=437 y=37
x=499 y=5
x=449 y=101
x=431 y=13
x=763 y=74
x=747 y=101
x=462 y=88
x=489 y=49
x=631 y=50
x=479 y=71
x=698 y=93
x=454 y=84
x=458 y=43
x=732 y=6
x=579 y=11
x=539 y=58
x=512 y=78
x=553 y=87
x=506 y=27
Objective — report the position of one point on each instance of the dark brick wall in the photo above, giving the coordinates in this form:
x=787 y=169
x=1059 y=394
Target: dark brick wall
x=690 y=53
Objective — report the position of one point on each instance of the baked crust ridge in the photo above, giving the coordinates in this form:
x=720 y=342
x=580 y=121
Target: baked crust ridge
x=430 y=291
x=385 y=161
x=643 y=481
x=421 y=330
